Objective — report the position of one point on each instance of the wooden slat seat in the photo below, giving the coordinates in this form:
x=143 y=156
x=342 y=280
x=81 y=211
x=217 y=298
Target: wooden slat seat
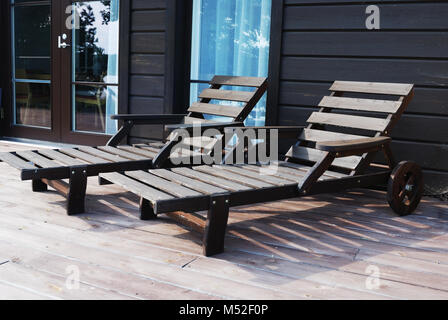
x=205 y=177
x=83 y=156
x=163 y=185
x=314 y=155
x=188 y=181
x=221 y=172
x=60 y=157
x=146 y=153
x=37 y=159
x=16 y=162
x=206 y=143
x=139 y=188
x=122 y=153
x=102 y=154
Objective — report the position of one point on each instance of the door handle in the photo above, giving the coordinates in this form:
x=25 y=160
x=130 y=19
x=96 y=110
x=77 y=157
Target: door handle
x=61 y=44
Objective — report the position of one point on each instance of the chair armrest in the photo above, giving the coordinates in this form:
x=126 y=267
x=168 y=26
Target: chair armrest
x=284 y=132
x=130 y=120
x=220 y=126
x=344 y=146
x=150 y=118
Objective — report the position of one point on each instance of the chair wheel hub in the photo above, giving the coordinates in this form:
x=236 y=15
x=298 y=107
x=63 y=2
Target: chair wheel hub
x=405 y=188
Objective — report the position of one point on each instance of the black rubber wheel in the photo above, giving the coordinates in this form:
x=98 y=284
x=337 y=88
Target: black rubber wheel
x=405 y=188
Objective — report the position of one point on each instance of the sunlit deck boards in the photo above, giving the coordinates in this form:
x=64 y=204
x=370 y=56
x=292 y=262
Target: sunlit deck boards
x=313 y=248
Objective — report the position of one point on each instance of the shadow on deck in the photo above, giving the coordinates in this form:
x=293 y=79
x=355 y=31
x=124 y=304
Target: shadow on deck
x=337 y=246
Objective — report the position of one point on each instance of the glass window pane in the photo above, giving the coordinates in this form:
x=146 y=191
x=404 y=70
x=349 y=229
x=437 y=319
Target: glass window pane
x=231 y=37
x=32 y=42
x=95 y=42
x=93 y=106
x=33 y=104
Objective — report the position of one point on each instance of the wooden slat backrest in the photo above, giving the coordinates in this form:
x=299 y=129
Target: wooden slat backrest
x=215 y=92
x=249 y=99
x=378 y=116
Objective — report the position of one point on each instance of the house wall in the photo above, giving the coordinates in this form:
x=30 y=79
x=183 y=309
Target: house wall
x=157 y=54
x=323 y=41
x=147 y=46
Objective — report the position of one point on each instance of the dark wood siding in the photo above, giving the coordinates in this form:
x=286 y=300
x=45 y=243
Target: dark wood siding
x=325 y=40
x=147 y=62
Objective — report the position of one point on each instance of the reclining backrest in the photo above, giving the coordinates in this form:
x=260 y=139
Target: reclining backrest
x=219 y=91
x=216 y=92
x=374 y=116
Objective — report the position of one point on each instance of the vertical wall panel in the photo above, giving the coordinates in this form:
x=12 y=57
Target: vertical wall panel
x=147 y=65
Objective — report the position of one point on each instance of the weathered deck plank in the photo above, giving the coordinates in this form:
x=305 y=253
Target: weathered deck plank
x=311 y=248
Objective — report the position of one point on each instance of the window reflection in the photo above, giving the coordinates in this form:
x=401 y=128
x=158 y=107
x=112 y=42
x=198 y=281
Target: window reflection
x=31 y=50
x=33 y=104
x=91 y=103
x=32 y=29
x=95 y=66
x=231 y=37
x=96 y=42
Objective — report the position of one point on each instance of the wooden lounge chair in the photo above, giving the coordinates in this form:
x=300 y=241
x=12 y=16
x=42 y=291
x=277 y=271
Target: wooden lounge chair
x=48 y=167
x=323 y=160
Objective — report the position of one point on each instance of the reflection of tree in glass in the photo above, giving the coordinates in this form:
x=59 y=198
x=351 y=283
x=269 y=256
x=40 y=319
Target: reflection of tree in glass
x=106 y=13
x=92 y=63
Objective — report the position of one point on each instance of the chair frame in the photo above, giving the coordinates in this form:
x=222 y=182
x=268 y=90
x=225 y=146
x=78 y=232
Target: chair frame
x=44 y=167
x=155 y=192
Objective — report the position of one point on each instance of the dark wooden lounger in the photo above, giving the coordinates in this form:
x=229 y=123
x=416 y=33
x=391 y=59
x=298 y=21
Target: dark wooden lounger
x=324 y=159
x=48 y=167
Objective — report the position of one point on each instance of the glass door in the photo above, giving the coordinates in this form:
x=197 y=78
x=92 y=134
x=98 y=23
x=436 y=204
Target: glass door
x=32 y=82
x=90 y=44
x=65 y=70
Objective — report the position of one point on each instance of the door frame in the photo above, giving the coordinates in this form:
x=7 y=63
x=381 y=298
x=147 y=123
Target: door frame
x=61 y=81
x=20 y=131
x=67 y=135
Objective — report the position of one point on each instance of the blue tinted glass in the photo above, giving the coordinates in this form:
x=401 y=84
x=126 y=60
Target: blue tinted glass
x=231 y=37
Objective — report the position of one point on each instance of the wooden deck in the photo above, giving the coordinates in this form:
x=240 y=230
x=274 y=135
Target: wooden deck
x=322 y=247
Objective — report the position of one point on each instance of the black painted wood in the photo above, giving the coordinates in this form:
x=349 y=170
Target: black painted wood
x=148 y=62
x=215 y=227
x=403 y=16
x=77 y=190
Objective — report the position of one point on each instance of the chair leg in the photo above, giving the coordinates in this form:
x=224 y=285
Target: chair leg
x=76 y=194
x=39 y=186
x=215 y=227
x=146 y=210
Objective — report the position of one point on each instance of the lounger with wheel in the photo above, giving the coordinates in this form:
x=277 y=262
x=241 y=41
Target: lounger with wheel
x=334 y=152
x=48 y=167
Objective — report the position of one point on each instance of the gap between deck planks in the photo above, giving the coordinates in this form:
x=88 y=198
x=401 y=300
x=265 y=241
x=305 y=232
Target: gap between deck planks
x=317 y=271
x=235 y=246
